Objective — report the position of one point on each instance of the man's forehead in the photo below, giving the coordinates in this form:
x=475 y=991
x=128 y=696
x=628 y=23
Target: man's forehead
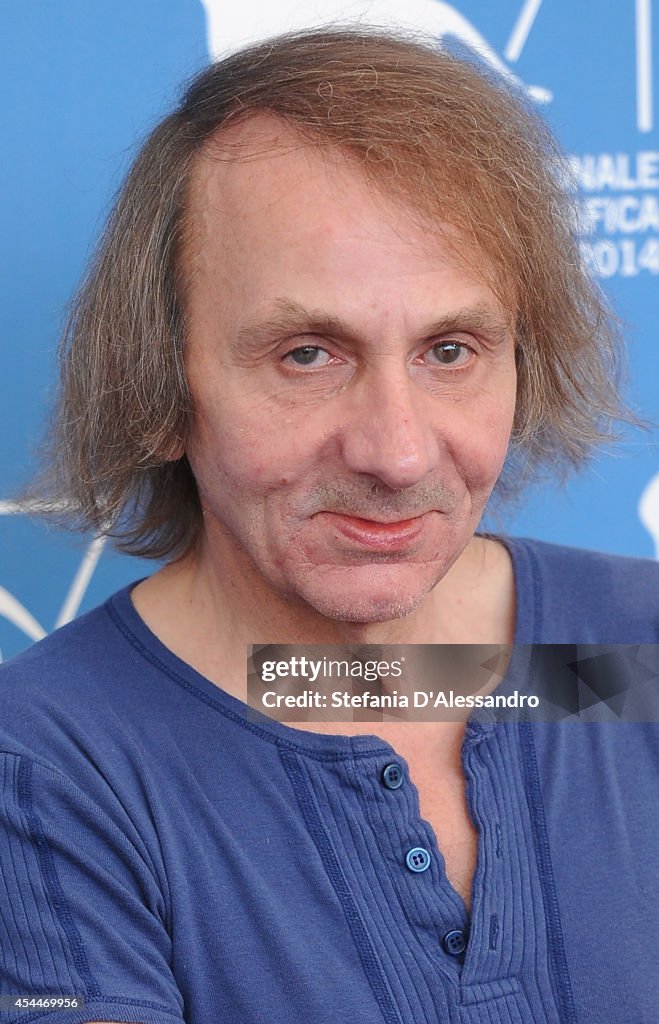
x=237 y=153
x=252 y=163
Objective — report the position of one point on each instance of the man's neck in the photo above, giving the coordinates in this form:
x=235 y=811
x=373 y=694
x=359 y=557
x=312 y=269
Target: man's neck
x=198 y=611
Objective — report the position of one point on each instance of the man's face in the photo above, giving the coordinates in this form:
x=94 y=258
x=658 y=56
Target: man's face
x=353 y=383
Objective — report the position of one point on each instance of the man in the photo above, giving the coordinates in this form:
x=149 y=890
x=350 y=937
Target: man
x=338 y=303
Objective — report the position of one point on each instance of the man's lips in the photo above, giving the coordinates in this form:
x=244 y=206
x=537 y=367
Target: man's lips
x=377 y=534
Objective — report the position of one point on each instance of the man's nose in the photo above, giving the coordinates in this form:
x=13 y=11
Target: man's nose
x=388 y=431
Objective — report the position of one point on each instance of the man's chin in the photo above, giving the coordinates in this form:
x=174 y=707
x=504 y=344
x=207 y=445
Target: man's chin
x=357 y=613
x=368 y=603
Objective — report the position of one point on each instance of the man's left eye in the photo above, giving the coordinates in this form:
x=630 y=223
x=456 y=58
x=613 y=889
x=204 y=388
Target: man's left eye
x=308 y=355
x=450 y=353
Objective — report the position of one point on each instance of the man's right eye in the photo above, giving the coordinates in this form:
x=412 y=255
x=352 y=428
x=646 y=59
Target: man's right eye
x=308 y=355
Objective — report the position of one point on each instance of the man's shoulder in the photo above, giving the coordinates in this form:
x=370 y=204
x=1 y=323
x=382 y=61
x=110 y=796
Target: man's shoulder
x=63 y=653
x=576 y=595
x=570 y=559
x=64 y=683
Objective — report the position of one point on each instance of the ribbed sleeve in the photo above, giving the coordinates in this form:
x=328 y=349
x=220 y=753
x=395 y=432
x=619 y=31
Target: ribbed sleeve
x=80 y=911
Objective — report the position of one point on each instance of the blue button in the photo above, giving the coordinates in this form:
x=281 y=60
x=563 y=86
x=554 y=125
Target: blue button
x=454 y=942
x=392 y=776
x=418 y=859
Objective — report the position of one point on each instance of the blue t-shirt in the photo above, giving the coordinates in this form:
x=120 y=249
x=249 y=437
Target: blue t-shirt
x=172 y=856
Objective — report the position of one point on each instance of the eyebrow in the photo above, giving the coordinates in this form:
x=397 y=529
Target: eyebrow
x=291 y=318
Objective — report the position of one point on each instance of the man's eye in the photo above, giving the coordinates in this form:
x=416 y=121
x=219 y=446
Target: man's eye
x=450 y=353
x=308 y=355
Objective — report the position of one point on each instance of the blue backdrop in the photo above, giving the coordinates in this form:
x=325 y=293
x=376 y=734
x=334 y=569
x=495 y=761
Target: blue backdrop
x=85 y=81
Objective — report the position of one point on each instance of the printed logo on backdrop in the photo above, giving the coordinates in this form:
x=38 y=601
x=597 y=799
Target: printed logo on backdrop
x=232 y=25
x=74 y=588
x=621 y=205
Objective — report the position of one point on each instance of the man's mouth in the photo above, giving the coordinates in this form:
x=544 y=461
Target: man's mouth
x=378 y=534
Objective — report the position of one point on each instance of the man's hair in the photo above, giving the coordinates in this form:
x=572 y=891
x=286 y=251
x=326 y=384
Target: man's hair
x=439 y=134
